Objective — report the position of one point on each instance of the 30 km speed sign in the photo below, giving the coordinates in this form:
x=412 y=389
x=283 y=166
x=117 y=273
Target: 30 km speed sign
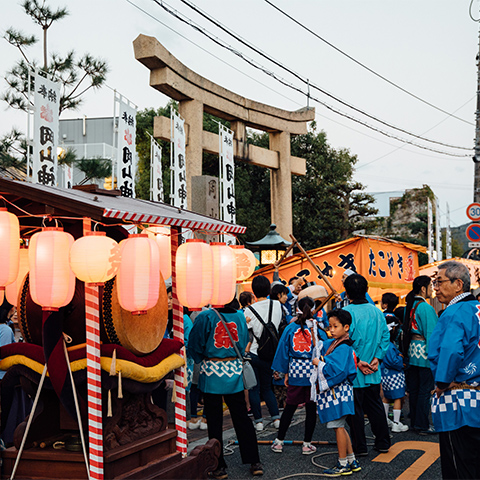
x=473 y=211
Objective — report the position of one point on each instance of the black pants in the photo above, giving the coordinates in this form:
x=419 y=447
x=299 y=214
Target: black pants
x=367 y=401
x=459 y=453
x=247 y=439
x=310 y=420
x=420 y=384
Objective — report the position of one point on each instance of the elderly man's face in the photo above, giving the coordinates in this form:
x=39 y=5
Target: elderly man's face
x=446 y=289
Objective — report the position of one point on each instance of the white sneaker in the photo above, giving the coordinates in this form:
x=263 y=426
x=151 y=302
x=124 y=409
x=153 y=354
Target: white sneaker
x=390 y=423
x=194 y=423
x=399 y=427
x=277 y=446
x=203 y=424
x=259 y=426
x=276 y=423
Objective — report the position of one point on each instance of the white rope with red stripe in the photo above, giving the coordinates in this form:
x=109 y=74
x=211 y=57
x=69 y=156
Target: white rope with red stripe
x=94 y=382
x=180 y=404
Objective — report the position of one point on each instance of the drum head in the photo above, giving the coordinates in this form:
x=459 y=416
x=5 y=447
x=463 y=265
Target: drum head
x=141 y=334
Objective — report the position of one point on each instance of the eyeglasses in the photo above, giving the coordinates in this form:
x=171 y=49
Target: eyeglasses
x=438 y=283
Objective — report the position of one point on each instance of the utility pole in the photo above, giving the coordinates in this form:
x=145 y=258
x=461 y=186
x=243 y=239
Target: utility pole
x=476 y=158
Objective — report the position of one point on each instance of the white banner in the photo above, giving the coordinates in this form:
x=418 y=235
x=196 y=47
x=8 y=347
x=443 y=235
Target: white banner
x=126 y=152
x=178 y=184
x=68 y=176
x=430 y=251
x=156 y=179
x=227 y=177
x=45 y=137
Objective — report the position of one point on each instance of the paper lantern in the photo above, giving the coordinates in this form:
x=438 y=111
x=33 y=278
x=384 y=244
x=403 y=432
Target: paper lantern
x=224 y=274
x=95 y=258
x=246 y=262
x=162 y=235
x=138 y=277
x=52 y=282
x=194 y=267
x=9 y=247
x=12 y=290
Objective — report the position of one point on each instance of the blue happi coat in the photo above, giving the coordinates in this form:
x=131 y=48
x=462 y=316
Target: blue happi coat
x=393 y=376
x=454 y=355
x=336 y=374
x=209 y=343
x=294 y=355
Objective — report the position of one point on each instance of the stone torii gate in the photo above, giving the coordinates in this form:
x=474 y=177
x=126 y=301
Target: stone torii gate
x=196 y=95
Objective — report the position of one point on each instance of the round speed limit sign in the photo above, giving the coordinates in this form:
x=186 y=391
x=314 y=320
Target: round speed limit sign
x=473 y=212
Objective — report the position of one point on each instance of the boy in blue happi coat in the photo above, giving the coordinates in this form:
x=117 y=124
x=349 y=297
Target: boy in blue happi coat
x=332 y=380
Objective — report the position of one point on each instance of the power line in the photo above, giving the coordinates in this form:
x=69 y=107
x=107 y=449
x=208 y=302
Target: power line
x=364 y=66
x=255 y=64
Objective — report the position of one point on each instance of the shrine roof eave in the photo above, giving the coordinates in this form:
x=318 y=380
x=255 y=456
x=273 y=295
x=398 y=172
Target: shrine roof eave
x=110 y=209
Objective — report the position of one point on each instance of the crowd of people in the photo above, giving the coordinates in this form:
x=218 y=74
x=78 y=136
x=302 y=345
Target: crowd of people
x=353 y=362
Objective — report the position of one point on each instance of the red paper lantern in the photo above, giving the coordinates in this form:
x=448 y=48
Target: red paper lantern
x=224 y=274
x=162 y=235
x=9 y=247
x=138 y=277
x=95 y=258
x=194 y=267
x=52 y=282
x=246 y=262
x=11 y=291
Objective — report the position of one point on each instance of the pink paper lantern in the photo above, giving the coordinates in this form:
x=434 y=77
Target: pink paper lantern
x=52 y=282
x=12 y=290
x=162 y=235
x=194 y=267
x=95 y=258
x=246 y=262
x=138 y=277
x=224 y=274
x=9 y=247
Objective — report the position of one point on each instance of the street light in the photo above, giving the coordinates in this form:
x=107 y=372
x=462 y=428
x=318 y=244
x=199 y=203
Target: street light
x=270 y=248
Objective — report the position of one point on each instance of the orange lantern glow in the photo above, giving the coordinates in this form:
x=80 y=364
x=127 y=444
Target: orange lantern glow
x=194 y=266
x=138 y=277
x=11 y=291
x=162 y=235
x=246 y=262
x=95 y=258
x=224 y=274
x=9 y=247
x=52 y=282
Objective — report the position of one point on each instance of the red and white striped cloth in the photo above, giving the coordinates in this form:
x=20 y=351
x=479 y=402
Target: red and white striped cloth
x=94 y=383
x=180 y=404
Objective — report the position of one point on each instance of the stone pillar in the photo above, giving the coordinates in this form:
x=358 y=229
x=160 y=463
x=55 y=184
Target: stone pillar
x=281 y=185
x=240 y=134
x=192 y=112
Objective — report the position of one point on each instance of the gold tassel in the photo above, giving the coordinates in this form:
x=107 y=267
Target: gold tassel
x=120 y=393
x=174 y=393
x=109 y=409
x=113 y=365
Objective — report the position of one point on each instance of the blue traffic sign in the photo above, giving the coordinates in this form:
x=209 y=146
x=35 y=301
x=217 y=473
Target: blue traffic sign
x=473 y=232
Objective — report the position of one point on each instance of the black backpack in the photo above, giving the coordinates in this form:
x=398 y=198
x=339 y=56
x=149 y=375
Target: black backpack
x=268 y=340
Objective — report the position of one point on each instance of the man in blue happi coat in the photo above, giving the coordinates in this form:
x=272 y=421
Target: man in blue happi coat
x=454 y=355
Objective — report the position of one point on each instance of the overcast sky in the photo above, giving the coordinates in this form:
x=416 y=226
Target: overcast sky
x=426 y=47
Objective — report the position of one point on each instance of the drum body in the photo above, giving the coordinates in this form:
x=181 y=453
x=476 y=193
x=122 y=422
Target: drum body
x=141 y=334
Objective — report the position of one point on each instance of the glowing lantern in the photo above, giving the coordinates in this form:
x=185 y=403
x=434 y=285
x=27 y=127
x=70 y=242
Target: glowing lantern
x=138 y=277
x=194 y=264
x=246 y=262
x=11 y=291
x=224 y=274
x=94 y=258
x=162 y=235
x=9 y=247
x=52 y=282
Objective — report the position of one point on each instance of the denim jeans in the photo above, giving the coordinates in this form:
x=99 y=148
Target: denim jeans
x=263 y=373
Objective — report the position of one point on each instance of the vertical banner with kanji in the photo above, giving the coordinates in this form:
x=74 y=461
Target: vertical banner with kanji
x=68 y=176
x=45 y=137
x=431 y=257
x=156 y=180
x=126 y=152
x=178 y=184
x=438 y=232
x=227 y=186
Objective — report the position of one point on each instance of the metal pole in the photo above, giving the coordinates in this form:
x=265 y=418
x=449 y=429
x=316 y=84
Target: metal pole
x=476 y=158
